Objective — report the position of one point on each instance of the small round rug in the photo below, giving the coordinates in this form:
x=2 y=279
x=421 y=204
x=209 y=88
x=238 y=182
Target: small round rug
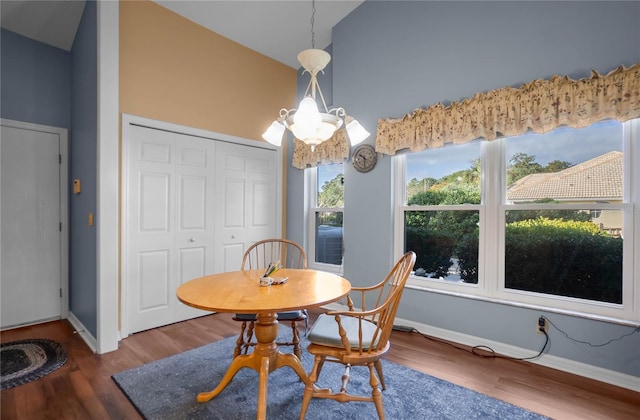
x=26 y=360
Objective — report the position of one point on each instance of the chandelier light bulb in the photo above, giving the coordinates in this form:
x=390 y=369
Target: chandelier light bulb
x=308 y=134
x=274 y=133
x=356 y=132
x=325 y=131
x=307 y=114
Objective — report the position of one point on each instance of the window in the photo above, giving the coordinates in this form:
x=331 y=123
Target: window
x=537 y=219
x=326 y=186
x=555 y=181
x=441 y=222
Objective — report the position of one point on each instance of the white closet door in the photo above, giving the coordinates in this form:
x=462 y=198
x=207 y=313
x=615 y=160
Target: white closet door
x=170 y=196
x=194 y=227
x=247 y=210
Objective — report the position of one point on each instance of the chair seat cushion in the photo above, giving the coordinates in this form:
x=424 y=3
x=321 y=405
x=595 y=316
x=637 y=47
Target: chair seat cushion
x=282 y=316
x=325 y=332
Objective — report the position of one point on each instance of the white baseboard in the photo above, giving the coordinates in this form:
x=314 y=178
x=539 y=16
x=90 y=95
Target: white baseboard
x=83 y=332
x=555 y=362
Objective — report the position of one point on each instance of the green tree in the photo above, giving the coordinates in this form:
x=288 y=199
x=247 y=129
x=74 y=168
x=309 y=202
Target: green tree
x=467 y=177
x=463 y=179
x=521 y=165
x=332 y=193
x=450 y=194
x=557 y=166
x=437 y=236
x=416 y=186
x=565 y=215
x=472 y=175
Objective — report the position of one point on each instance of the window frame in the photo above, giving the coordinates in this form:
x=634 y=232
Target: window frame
x=491 y=258
x=311 y=181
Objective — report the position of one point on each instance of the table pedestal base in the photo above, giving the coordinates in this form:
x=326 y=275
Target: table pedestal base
x=264 y=359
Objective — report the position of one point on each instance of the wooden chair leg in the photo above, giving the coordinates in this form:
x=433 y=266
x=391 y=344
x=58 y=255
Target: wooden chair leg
x=240 y=341
x=346 y=377
x=376 y=394
x=320 y=364
x=249 y=337
x=378 y=365
x=296 y=340
x=309 y=388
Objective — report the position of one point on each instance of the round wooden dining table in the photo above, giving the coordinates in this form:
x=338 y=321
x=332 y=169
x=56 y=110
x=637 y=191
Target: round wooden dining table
x=240 y=292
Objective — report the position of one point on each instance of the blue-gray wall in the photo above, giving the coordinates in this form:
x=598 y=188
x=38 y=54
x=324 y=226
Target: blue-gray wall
x=390 y=57
x=36 y=81
x=82 y=268
x=46 y=85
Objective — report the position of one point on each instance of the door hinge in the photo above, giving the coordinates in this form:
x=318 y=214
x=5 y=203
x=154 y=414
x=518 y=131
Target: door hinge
x=60 y=159
x=60 y=227
x=61 y=292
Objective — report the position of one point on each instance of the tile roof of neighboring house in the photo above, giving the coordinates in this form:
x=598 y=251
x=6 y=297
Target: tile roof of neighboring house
x=597 y=179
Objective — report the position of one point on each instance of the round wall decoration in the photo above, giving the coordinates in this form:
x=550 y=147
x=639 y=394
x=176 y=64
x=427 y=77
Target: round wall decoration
x=364 y=158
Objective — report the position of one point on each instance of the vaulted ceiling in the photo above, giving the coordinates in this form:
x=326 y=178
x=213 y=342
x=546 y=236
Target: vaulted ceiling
x=277 y=29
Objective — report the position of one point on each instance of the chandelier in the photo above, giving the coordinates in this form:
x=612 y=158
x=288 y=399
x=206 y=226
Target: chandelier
x=310 y=123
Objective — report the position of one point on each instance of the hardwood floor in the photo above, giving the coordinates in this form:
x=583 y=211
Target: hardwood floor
x=83 y=388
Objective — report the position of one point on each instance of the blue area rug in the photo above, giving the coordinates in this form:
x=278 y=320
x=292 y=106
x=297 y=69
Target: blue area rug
x=167 y=389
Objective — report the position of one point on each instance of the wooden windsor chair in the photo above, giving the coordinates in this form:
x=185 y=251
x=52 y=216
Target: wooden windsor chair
x=259 y=256
x=358 y=337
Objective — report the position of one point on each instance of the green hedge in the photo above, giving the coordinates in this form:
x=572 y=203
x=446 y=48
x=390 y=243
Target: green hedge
x=552 y=256
x=433 y=249
x=468 y=257
x=565 y=258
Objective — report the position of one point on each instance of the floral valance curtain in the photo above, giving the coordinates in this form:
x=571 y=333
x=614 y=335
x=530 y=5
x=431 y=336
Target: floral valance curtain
x=540 y=105
x=334 y=150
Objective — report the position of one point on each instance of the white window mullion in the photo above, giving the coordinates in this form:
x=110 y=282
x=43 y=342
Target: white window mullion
x=400 y=197
x=311 y=180
x=491 y=258
x=632 y=195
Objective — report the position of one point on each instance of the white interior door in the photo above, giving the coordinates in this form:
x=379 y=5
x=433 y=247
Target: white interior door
x=246 y=183
x=194 y=226
x=169 y=218
x=32 y=251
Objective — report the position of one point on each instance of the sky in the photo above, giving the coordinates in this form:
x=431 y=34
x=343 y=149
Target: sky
x=565 y=144
x=327 y=173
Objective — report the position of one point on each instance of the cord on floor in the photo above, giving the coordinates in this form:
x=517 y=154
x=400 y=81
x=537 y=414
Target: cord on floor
x=474 y=350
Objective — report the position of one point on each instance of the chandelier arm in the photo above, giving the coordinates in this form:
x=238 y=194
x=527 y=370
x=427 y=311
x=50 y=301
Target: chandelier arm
x=339 y=111
x=284 y=113
x=314 y=86
x=324 y=104
x=309 y=86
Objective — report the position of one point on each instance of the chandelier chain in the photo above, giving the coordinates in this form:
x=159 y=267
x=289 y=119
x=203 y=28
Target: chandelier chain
x=313 y=19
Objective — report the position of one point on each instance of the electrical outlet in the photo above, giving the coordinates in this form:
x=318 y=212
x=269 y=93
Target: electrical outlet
x=542 y=325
